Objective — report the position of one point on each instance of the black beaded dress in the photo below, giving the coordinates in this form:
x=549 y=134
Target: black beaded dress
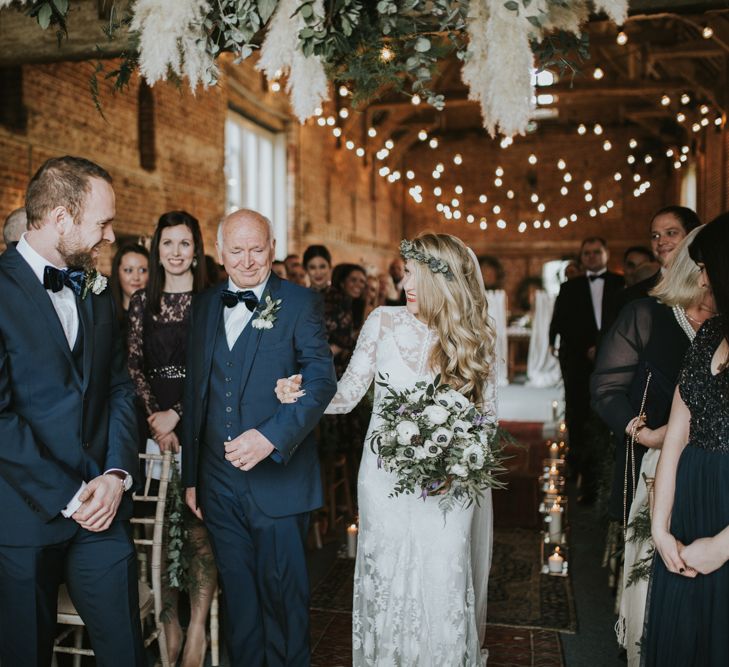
x=687 y=623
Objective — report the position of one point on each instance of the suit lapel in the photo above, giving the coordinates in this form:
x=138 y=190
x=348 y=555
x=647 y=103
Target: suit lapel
x=271 y=289
x=20 y=271
x=588 y=296
x=85 y=309
x=210 y=321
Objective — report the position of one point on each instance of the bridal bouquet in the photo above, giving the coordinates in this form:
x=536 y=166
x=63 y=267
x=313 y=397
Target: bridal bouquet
x=437 y=443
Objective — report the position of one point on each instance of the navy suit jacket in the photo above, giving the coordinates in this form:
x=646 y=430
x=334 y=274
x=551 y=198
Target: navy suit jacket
x=57 y=427
x=297 y=343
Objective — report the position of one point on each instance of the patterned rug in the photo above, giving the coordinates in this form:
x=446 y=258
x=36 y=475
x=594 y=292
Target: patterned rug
x=519 y=595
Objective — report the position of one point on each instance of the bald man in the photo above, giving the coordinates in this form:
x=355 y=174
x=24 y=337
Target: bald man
x=250 y=464
x=16 y=224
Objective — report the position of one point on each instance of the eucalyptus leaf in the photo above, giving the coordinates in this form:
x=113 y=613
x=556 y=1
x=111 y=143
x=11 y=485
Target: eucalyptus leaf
x=422 y=44
x=44 y=16
x=535 y=21
x=61 y=6
x=512 y=6
x=307 y=11
x=266 y=9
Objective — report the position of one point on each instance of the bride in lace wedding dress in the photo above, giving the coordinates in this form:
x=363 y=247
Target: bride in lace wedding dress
x=420 y=578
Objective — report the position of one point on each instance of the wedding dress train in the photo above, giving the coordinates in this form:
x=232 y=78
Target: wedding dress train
x=420 y=578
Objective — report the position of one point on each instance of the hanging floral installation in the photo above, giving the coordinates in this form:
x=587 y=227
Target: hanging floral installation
x=372 y=47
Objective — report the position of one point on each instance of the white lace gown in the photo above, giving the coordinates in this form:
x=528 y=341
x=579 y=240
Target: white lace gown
x=414 y=599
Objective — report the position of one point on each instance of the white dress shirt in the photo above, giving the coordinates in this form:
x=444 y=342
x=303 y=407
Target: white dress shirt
x=64 y=302
x=597 y=288
x=237 y=317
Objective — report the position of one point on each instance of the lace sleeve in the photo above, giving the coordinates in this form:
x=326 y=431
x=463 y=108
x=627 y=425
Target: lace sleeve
x=361 y=369
x=135 y=360
x=489 y=407
x=617 y=362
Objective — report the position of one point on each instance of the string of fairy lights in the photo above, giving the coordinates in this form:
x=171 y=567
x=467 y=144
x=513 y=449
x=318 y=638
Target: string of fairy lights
x=693 y=115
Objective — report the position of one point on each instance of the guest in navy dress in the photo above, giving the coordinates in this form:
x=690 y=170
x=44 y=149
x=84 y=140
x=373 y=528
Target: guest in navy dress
x=688 y=612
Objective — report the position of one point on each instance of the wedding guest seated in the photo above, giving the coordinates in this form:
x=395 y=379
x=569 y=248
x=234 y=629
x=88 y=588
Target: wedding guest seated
x=318 y=265
x=396 y=271
x=15 y=225
x=297 y=275
x=214 y=273
x=129 y=273
x=634 y=257
x=388 y=295
x=372 y=295
x=158 y=323
x=290 y=260
x=493 y=273
x=572 y=270
x=279 y=268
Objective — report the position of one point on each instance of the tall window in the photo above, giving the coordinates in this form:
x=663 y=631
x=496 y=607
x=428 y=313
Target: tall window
x=688 y=187
x=255 y=168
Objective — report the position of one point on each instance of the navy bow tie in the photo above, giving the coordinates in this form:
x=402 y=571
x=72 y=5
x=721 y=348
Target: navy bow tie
x=55 y=279
x=594 y=277
x=232 y=299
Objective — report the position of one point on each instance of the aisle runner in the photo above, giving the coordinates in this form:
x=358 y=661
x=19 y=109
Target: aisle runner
x=519 y=595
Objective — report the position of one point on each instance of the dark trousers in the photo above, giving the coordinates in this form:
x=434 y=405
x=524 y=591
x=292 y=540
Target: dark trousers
x=100 y=571
x=576 y=376
x=262 y=568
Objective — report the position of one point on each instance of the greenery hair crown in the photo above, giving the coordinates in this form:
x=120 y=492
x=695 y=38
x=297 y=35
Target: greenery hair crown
x=436 y=265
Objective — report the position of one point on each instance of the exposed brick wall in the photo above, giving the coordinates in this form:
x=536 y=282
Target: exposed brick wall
x=334 y=198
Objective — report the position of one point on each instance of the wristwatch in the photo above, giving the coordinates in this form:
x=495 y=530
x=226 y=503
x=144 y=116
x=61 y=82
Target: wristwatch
x=125 y=477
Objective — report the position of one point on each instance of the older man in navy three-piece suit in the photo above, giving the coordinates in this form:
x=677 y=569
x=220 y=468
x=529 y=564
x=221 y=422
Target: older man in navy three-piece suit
x=67 y=428
x=249 y=462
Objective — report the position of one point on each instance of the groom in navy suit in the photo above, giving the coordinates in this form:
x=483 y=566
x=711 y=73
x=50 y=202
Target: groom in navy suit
x=67 y=428
x=250 y=463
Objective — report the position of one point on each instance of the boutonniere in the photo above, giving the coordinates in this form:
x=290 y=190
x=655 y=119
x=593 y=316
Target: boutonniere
x=267 y=313
x=94 y=282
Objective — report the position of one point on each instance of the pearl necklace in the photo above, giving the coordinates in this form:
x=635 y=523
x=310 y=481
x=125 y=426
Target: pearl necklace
x=682 y=319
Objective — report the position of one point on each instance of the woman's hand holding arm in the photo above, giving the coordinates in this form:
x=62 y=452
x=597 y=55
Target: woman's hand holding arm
x=675 y=441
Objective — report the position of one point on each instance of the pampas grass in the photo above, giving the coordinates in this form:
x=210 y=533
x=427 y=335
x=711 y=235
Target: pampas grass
x=307 y=83
x=171 y=36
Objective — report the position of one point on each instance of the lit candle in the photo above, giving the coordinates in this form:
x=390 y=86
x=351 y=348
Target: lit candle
x=553 y=473
x=352 y=541
x=555 y=562
x=562 y=427
x=554 y=450
x=551 y=489
x=555 y=524
x=555 y=414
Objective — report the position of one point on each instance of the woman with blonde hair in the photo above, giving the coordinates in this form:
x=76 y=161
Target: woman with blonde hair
x=632 y=388
x=420 y=581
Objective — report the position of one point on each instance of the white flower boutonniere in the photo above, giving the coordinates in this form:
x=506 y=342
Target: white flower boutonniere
x=94 y=282
x=267 y=314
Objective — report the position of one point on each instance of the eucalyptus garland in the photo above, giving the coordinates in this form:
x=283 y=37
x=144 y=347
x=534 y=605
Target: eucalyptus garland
x=372 y=46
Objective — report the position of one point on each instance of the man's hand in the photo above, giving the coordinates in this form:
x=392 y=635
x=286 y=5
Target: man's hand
x=591 y=353
x=162 y=423
x=99 y=503
x=248 y=449
x=191 y=501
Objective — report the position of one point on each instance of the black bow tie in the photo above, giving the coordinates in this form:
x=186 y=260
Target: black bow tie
x=232 y=299
x=55 y=279
x=596 y=277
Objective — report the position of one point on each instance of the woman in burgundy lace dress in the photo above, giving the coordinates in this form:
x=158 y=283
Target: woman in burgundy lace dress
x=158 y=320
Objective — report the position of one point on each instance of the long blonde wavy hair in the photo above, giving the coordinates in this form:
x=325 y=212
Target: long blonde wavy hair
x=457 y=311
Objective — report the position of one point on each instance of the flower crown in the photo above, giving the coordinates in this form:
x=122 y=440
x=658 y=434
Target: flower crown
x=408 y=251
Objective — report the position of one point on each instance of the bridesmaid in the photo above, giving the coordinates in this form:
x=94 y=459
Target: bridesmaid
x=158 y=322
x=688 y=613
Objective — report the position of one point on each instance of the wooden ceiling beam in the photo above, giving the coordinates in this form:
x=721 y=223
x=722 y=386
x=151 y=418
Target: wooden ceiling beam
x=23 y=41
